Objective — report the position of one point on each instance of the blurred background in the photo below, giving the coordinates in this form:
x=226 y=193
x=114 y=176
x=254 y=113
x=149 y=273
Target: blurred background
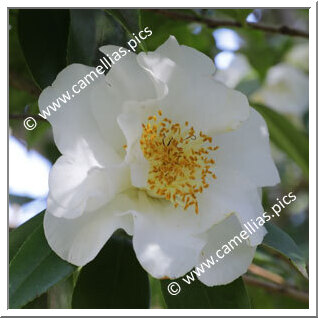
x=270 y=68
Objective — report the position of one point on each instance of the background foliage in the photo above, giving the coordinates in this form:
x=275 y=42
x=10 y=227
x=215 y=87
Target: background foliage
x=43 y=42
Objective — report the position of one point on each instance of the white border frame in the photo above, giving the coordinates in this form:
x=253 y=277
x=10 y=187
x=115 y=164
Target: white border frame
x=312 y=154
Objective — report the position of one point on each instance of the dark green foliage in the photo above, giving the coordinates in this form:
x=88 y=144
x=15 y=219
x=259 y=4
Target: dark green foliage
x=114 y=279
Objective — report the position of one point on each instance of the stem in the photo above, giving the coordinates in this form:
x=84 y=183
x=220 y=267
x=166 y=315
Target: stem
x=278 y=288
x=223 y=23
x=264 y=273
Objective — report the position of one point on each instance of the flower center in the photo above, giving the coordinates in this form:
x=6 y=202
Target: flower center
x=180 y=162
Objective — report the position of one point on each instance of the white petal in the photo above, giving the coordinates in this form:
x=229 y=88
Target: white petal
x=77 y=184
x=162 y=238
x=247 y=150
x=73 y=123
x=232 y=265
x=206 y=103
x=130 y=123
x=187 y=57
x=125 y=81
x=127 y=77
x=79 y=240
x=232 y=193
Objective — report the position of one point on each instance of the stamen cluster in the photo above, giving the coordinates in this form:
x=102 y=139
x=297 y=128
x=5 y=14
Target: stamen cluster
x=180 y=161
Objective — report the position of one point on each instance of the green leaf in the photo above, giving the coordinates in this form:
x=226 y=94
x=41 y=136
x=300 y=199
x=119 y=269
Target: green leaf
x=34 y=267
x=114 y=279
x=34 y=137
x=279 y=241
x=198 y=295
x=191 y=34
x=19 y=100
x=157 y=300
x=130 y=21
x=248 y=86
x=263 y=50
x=43 y=35
x=17 y=61
x=40 y=302
x=89 y=30
x=287 y=137
x=20 y=234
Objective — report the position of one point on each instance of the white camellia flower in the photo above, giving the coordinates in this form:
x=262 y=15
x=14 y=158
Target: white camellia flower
x=286 y=89
x=159 y=148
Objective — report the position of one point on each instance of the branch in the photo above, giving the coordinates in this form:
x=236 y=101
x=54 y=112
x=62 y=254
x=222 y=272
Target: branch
x=224 y=23
x=21 y=83
x=264 y=273
x=278 y=288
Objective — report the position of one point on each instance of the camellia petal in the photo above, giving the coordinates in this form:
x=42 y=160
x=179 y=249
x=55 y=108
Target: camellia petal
x=76 y=188
x=162 y=242
x=233 y=258
x=73 y=122
x=188 y=58
x=211 y=106
x=125 y=81
x=237 y=195
x=79 y=240
x=78 y=182
x=247 y=150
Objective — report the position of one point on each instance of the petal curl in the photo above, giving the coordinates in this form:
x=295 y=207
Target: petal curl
x=79 y=240
x=78 y=183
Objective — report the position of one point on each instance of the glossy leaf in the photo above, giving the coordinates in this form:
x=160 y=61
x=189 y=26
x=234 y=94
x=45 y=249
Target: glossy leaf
x=43 y=35
x=17 y=63
x=114 y=279
x=198 y=295
x=279 y=241
x=20 y=234
x=34 y=267
x=287 y=137
x=130 y=21
x=89 y=30
x=263 y=50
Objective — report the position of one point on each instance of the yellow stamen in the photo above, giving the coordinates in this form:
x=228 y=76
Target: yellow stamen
x=180 y=162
